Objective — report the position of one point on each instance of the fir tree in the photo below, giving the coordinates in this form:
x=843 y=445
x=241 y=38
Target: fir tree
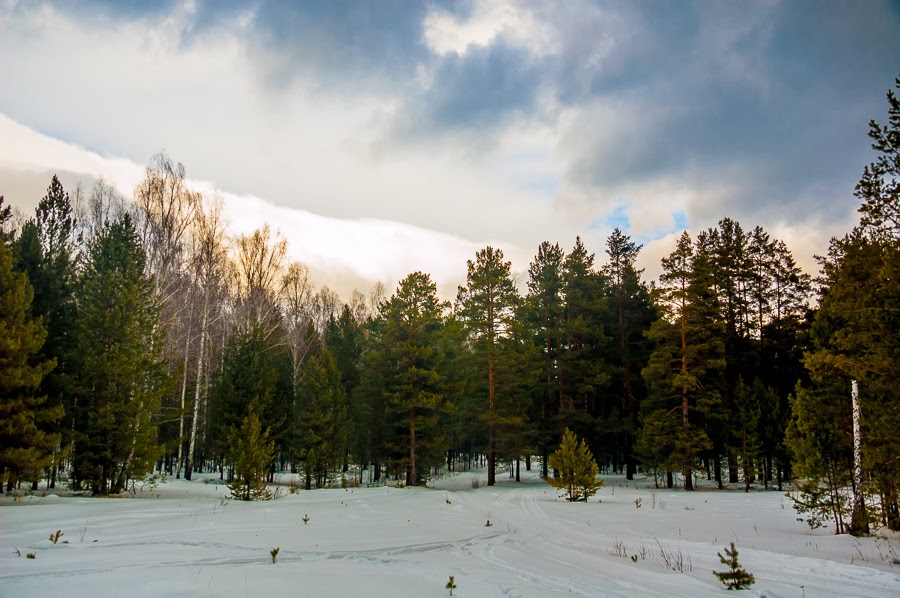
x=576 y=469
x=736 y=578
x=251 y=455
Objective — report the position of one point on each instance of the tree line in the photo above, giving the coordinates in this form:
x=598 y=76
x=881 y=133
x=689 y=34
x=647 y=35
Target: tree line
x=137 y=335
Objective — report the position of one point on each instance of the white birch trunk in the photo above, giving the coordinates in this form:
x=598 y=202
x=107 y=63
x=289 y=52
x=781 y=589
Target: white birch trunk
x=196 y=413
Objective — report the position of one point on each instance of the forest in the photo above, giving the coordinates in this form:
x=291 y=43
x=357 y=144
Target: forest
x=137 y=336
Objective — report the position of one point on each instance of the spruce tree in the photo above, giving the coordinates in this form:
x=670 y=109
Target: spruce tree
x=26 y=445
x=119 y=374
x=576 y=469
x=736 y=578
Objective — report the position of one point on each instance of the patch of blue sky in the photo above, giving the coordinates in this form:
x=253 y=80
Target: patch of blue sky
x=618 y=218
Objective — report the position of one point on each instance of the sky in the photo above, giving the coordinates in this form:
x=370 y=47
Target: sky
x=387 y=137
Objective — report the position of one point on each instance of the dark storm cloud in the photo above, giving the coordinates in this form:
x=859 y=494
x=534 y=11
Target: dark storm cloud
x=770 y=100
x=478 y=92
x=767 y=101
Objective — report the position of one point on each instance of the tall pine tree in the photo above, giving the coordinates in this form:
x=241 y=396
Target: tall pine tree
x=487 y=307
x=26 y=445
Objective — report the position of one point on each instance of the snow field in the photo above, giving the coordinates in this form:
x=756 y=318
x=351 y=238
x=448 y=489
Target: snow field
x=184 y=539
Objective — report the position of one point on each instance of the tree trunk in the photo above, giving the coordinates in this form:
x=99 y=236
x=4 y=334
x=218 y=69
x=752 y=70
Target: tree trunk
x=184 y=383
x=685 y=420
x=491 y=390
x=411 y=473
x=196 y=411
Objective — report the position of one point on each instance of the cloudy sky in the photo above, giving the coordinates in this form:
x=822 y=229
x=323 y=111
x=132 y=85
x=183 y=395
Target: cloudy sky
x=383 y=137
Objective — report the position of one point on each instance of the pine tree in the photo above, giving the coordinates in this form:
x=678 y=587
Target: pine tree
x=5 y=220
x=486 y=305
x=25 y=444
x=251 y=455
x=819 y=438
x=344 y=338
x=320 y=418
x=748 y=413
x=45 y=249
x=631 y=316
x=119 y=375
x=583 y=370
x=879 y=187
x=413 y=321
x=518 y=377
x=682 y=374
x=577 y=470
x=253 y=369
x=545 y=317
x=736 y=578
x=854 y=335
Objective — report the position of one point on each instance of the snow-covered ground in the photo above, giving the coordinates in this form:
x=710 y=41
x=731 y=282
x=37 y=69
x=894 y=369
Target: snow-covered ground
x=183 y=539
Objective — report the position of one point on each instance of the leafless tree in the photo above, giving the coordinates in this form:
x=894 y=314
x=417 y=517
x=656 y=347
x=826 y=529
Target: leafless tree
x=209 y=267
x=259 y=264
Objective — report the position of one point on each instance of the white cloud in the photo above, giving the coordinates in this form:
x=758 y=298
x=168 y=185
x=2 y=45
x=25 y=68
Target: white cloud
x=345 y=254
x=490 y=20
x=25 y=149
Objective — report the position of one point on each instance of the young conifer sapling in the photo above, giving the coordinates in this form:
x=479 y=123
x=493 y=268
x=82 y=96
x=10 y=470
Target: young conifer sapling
x=736 y=578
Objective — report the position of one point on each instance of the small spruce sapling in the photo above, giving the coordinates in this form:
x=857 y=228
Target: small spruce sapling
x=737 y=578
x=274 y=553
x=305 y=519
x=451 y=585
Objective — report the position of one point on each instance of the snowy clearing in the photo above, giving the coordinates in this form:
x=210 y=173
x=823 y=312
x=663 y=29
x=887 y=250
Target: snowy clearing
x=183 y=539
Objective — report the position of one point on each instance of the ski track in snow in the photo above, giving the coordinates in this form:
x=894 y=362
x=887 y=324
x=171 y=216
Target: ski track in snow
x=189 y=543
